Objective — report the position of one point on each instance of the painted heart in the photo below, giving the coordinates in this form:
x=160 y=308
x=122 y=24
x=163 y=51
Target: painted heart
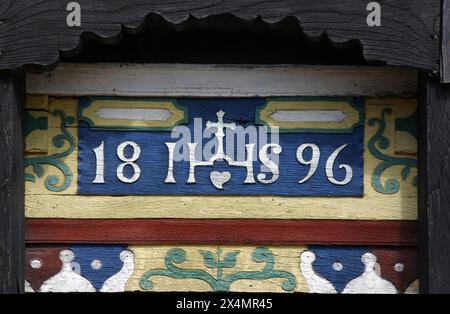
x=218 y=178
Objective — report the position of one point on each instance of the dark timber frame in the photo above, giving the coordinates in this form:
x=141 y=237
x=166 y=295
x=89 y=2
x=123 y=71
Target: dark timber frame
x=434 y=187
x=12 y=243
x=415 y=33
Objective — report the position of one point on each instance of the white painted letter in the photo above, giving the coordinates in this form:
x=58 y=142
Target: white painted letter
x=374 y=17
x=169 y=177
x=265 y=160
x=74 y=17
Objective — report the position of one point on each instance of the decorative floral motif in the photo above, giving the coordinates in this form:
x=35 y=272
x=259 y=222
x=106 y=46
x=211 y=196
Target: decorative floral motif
x=391 y=186
x=52 y=182
x=219 y=282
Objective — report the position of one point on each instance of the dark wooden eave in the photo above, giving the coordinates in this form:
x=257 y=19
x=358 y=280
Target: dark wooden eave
x=34 y=32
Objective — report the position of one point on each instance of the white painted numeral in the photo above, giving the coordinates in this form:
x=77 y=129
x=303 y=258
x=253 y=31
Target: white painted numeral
x=100 y=162
x=329 y=168
x=313 y=162
x=128 y=161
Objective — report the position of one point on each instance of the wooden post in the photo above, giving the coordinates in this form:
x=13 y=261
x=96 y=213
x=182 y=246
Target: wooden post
x=12 y=245
x=434 y=187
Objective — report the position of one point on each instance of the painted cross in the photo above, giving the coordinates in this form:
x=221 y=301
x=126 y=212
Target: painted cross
x=218 y=179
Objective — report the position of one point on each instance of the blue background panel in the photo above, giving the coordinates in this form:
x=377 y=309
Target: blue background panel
x=153 y=160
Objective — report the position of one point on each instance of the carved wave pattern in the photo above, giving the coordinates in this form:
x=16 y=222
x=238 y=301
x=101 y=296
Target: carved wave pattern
x=107 y=20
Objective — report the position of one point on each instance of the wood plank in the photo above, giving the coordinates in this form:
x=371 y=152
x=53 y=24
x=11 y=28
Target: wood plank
x=12 y=94
x=36 y=102
x=445 y=42
x=270 y=207
x=434 y=187
x=218 y=231
x=221 y=81
x=38 y=182
x=375 y=205
x=283 y=260
x=406 y=117
x=35 y=33
x=36 y=131
x=231 y=268
x=235 y=172
x=41 y=263
x=398 y=266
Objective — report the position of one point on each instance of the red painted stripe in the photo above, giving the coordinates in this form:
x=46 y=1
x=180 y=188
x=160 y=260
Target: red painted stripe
x=221 y=231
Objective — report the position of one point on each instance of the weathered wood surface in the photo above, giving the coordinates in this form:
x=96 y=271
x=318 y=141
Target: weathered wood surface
x=12 y=91
x=199 y=80
x=34 y=32
x=434 y=187
x=200 y=231
x=398 y=266
x=41 y=262
x=138 y=254
x=381 y=200
x=304 y=268
x=236 y=163
x=445 y=42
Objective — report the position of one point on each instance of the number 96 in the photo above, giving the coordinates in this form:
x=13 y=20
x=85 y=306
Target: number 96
x=313 y=162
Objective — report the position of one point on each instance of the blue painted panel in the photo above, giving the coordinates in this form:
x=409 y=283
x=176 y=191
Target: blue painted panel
x=107 y=255
x=348 y=257
x=153 y=160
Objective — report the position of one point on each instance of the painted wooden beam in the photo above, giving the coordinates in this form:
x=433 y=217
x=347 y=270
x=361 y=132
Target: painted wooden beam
x=220 y=268
x=35 y=32
x=445 y=42
x=200 y=80
x=12 y=91
x=221 y=231
x=434 y=187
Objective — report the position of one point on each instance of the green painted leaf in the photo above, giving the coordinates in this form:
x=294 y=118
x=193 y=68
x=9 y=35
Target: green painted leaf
x=383 y=142
x=208 y=259
x=30 y=177
x=405 y=172
x=39 y=170
x=230 y=259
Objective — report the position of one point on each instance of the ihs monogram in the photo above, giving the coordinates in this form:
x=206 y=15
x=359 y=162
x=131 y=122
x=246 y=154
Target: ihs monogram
x=218 y=179
x=265 y=155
